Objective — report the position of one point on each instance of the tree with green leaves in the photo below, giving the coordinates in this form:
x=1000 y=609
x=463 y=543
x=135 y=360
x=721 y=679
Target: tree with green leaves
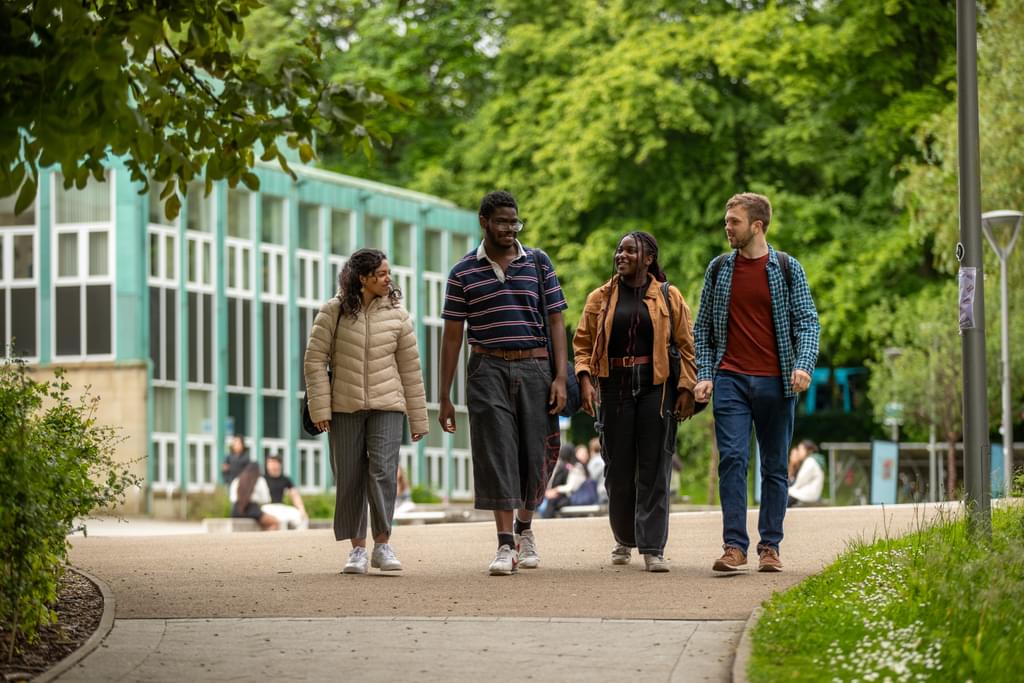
x=166 y=86
x=929 y=191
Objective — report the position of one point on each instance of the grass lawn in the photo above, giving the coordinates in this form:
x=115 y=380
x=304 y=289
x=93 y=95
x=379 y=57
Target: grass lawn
x=937 y=605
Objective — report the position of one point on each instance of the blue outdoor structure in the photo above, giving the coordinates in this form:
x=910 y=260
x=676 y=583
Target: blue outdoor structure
x=815 y=398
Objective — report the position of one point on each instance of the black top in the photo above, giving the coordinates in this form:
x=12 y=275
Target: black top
x=277 y=486
x=236 y=463
x=632 y=330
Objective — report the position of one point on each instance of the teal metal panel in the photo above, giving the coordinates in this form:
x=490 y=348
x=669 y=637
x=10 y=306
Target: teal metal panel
x=183 y=359
x=325 y=273
x=258 y=349
x=44 y=219
x=131 y=216
x=292 y=350
x=420 y=229
x=220 y=369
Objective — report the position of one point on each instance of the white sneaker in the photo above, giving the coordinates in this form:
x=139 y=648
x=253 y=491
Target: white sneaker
x=384 y=558
x=655 y=563
x=505 y=562
x=621 y=554
x=526 y=546
x=356 y=561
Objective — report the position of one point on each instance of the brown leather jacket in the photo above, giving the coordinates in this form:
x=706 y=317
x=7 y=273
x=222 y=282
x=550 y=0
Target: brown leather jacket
x=590 y=340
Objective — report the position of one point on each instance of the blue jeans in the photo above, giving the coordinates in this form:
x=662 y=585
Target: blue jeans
x=739 y=402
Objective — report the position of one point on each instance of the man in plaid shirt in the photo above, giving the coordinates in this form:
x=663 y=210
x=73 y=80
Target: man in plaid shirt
x=756 y=339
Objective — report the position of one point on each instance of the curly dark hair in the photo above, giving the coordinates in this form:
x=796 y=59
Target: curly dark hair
x=494 y=200
x=361 y=263
x=645 y=244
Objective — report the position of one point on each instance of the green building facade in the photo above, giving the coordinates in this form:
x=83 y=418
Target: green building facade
x=205 y=318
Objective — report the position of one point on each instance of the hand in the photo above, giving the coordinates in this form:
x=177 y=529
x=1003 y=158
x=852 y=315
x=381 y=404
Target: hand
x=446 y=415
x=324 y=425
x=551 y=494
x=684 y=405
x=556 y=397
x=589 y=399
x=799 y=380
x=416 y=436
x=702 y=392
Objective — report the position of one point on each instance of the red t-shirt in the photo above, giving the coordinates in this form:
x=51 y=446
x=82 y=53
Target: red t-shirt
x=750 y=347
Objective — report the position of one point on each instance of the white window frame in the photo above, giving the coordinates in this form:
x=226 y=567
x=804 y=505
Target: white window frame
x=82 y=279
x=8 y=282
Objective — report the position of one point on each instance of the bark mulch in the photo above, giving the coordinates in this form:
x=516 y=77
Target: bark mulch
x=79 y=609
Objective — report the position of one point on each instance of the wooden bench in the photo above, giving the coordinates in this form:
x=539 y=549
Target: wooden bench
x=227 y=525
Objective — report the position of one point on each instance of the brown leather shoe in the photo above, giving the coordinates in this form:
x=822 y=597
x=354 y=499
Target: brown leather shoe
x=769 y=561
x=733 y=559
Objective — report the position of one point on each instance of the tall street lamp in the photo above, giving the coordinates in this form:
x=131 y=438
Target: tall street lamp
x=989 y=219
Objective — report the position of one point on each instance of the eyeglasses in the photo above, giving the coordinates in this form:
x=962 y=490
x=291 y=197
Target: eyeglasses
x=514 y=226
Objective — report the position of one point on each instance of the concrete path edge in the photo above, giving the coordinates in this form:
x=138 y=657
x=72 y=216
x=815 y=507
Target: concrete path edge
x=743 y=650
x=93 y=642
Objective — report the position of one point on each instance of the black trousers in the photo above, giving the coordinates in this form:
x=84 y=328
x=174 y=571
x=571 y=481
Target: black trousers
x=637 y=443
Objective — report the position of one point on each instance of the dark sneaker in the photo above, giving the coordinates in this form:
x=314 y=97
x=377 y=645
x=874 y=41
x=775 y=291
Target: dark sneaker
x=733 y=559
x=769 y=561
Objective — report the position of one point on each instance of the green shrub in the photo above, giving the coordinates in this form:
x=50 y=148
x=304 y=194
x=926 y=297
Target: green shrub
x=203 y=505
x=319 y=505
x=424 y=494
x=55 y=466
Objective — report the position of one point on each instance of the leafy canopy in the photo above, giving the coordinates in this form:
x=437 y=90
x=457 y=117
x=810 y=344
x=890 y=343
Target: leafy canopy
x=166 y=85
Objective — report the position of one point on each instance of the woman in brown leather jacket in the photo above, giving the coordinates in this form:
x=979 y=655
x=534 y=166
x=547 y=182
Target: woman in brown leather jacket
x=622 y=360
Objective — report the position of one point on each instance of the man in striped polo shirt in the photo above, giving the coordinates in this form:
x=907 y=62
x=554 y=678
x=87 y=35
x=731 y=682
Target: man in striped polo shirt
x=513 y=400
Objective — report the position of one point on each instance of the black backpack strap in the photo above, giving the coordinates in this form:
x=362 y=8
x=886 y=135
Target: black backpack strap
x=716 y=265
x=784 y=265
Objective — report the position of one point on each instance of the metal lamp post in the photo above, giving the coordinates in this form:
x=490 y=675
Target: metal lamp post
x=988 y=220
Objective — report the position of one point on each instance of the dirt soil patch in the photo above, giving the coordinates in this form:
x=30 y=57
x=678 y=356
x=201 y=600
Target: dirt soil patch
x=79 y=609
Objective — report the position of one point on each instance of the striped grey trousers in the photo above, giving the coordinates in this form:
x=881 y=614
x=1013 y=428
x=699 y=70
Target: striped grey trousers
x=364 y=459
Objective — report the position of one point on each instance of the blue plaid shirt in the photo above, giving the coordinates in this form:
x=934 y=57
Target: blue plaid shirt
x=793 y=313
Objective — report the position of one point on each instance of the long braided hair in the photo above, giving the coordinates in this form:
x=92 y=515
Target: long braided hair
x=362 y=263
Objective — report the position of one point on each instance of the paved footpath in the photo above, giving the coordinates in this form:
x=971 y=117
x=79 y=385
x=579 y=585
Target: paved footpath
x=273 y=605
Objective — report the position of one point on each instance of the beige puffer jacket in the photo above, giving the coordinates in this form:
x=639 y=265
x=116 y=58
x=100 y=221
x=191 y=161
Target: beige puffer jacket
x=376 y=364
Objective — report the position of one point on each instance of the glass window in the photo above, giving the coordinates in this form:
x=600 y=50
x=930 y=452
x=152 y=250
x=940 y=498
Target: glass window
x=273 y=220
x=67 y=254
x=272 y=423
x=238 y=413
x=8 y=217
x=156 y=205
x=341 y=232
x=199 y=421
x=460 y=247
x=98 y=314
x=164 y=409
x=154 y=255
x=373 y=233
x=23 y=320
x=238 y=214
x=98 y=255
x=88 y=205
x=199 y=207
x=68 y=317
x=402 y=253
x=309 y=227
x=23 y=257
x=435 y=262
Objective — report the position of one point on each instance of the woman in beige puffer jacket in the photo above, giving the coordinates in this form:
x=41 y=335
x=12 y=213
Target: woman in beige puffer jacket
x=369 y=340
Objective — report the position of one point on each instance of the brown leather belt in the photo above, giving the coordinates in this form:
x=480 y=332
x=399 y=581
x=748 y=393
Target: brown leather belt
x=511 y=354
x=629 y=361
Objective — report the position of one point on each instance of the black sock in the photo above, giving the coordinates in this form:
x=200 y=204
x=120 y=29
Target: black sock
x=519 y=527
x=506 y=539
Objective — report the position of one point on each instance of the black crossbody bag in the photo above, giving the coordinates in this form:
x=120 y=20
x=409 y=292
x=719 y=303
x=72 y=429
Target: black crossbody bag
x=307 y=419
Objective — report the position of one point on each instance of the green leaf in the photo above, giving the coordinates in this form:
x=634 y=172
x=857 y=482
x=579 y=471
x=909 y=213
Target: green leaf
x=172 y=207
x=306 y=153
x=26 y=196
x=251 y=181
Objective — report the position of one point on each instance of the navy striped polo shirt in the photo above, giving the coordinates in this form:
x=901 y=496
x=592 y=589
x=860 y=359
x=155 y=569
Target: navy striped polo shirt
x=502 y=315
